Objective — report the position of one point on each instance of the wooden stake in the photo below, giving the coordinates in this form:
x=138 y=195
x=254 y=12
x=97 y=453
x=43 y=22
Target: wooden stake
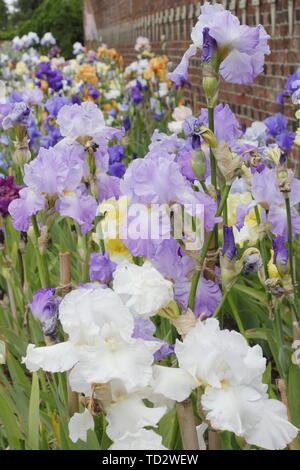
x=187 y=425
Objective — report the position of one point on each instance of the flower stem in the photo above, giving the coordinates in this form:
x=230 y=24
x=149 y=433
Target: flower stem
x=213 y=165
x=42 y=265
x=205 y=249
x=222 y=302
x=290 y=240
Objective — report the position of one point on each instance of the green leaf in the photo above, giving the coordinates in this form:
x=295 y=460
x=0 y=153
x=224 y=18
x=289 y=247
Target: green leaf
x=34 y=415
x=252 y=292
x=11 y=426
x=169 y=430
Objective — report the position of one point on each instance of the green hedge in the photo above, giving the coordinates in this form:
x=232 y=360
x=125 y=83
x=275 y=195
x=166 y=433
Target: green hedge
x=63 y=18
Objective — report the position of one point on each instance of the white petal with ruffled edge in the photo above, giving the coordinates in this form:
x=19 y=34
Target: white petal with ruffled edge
x=175 y=384
x=79 y=425
x=84 y=313
x=131 y=415
x=144 y=440
x=57 y=358
x=273 y=431
x=128 y=362
x=235 y=409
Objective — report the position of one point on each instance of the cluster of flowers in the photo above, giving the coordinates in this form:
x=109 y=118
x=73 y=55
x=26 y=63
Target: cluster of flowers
x=78 y=155
x=111 y=352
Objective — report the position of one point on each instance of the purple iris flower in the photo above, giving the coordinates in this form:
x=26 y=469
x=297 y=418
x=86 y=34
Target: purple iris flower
x=280 y=250
x=33 y=132
x=93 y=92
x=145 y=329
x=280 y=96
x=43 y=68
x=291 y=83
x=227 y=127
x=184 y=161
x=208 y=297
x=209 y=46
x=44 y=307
x=54 y=51
x=126 y=123
x=16 y=97
x=8 y=192
x=285 y=140
x=76 y=99
x=46 y=141
x=117 y=169
x=116 y=153
x=136 y=95
x=20 y=115
x=5 y=109
x=191 y=128
x=101 y=268
x=53 y=77
x=229 y=248
x=180 y=75
x=54 y=104
x=276 y=124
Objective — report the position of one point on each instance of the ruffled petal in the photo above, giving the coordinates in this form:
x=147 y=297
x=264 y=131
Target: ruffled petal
x=57 y=358
x=79 y=425
x=175 y=384
x=131 y=415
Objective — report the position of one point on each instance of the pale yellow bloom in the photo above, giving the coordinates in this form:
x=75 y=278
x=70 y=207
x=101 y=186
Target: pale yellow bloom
x=274 y=154
x=297 y=138
x=21 y=68
x=272 y=270
x=249 y=232
x=44 y=58
x=115 y=211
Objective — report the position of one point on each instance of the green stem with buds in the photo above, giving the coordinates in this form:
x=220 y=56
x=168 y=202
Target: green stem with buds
x=205 y=249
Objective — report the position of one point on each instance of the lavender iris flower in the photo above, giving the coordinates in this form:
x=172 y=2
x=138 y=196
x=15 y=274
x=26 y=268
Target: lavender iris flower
x=136 y=95
x=180 y=75
x=191 y=128
x=227 y=127
x=229 y=248
x=280 y=251
x=285 y=140
x=116 y=153
x=209 y=46
x=240 y=49
x=117 y=169
x=5 y=109
x=20 y=115
x=54 y=104
x=276 y=124
x=145 y=330
x=126 y=123
x=76 y=99
x=101 y=268
x=44 y=307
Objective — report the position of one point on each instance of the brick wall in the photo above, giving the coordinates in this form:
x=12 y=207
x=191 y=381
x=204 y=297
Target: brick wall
x=119 y=22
